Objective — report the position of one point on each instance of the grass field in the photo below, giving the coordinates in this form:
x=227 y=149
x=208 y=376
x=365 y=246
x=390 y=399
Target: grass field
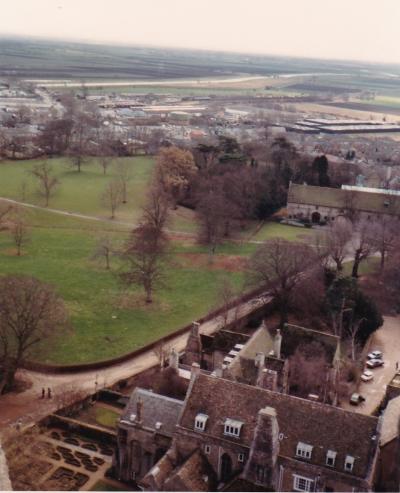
x=106 y=319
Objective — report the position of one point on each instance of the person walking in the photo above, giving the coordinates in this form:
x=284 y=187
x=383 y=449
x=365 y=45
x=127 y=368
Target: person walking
x=43 y=392
x=49 y=392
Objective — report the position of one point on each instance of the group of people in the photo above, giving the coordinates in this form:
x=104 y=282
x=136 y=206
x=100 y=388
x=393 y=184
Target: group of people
x=48 y=393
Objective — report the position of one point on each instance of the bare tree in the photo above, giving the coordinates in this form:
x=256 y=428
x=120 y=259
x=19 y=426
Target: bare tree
x=144 y=254
x=156 y=208
x=278 y=265
x=384 y=233
x=104 y=250
x=123 y=179
x=30 y=311
x=353 y=330
x=47 y=182
x=112 y=196
x=19 y=233
x=350 y=205
x=225 y=295
x=336 y=241
x=363 y=244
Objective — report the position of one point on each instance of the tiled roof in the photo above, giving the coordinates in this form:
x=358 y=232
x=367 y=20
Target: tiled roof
x=193 y=475
x=322 y=426
x=338 y=198
x=390 y=421
x=155 y=408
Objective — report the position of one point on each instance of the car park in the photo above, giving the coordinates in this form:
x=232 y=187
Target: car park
x=375 y=363
x=367 y=376
x=375 y=355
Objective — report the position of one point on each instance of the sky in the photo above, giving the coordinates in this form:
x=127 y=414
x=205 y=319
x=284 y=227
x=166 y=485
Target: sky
x=367 y=30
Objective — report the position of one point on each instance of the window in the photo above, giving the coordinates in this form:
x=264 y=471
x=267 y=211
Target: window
x=232 y=427
x=302 y=484
x=240 y=457
x=330 y=458
x=207 y=449
x=348 y=463
x=200 y=422
x=304 y=450
x=261 y=474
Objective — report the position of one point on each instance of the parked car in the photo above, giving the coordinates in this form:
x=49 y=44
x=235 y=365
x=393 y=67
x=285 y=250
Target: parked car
x=374 y=363
x=355 y=399
x=367 y=376
x=375 y=355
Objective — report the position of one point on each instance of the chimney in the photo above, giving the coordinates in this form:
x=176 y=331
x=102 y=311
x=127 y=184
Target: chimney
x=139 y=408
x=195 y=370
x=195 y=329
x=174 y=359
x=260 y=360
x=264 y=450
x=268 y=379
x=277 y=344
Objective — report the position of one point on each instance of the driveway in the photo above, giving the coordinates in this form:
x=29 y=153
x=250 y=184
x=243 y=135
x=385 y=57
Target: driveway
x=387 y=340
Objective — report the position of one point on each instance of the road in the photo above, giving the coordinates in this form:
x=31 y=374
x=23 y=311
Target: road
x=387 y=340
x=27 y=407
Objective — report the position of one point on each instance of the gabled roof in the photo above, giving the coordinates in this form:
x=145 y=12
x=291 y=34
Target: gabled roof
x=390 y=422
x=156 y=408
x=322 y=426
x=340 y=199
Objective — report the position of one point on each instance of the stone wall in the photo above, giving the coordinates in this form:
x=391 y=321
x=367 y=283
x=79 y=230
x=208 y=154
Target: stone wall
x=5 y=484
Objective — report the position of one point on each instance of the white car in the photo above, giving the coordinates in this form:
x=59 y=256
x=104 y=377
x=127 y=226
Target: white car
x=375 y=355
x=374 y=363
x=367 y=376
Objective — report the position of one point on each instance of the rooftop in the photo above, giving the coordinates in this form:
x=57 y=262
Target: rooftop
x=156 y=408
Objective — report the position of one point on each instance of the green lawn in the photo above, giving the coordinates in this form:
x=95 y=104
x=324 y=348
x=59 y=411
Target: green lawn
x=366 y=267
x=105 y=417
x=78 y=192
x=103 y=326
x=291 y=233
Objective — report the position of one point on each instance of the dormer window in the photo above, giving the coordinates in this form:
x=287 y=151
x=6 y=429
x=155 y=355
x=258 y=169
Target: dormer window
x=232 y=427
x=304 y=450
x=349 y=463
x=200 y=422
x=330 y=458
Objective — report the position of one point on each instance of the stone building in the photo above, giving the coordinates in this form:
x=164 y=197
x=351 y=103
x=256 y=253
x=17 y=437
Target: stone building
x=234 y=436
x=145 y=432
x=324 y=204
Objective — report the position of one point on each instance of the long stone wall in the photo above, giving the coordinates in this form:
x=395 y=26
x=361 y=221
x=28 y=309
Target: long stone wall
x=5 y=483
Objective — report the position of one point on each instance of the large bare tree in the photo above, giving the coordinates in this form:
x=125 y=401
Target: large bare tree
x=363 y=244
x=112 y=196
x=336 y=241
x=46 y=180
x=144 y=254
x=279 y=265
x=19 y=232
x=30 y=311
x=385 y=233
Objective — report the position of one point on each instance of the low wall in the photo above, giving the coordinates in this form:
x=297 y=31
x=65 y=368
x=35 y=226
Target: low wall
x=87 y=430
x=97 y=365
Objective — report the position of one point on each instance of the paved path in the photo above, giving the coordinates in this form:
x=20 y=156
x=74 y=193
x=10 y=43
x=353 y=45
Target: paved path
x=28 y=407
x=110 y=221
x=387 y=340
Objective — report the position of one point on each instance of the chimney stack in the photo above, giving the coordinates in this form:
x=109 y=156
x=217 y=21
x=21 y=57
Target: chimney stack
x=139 y=408
x=260 y=360
x=268 y=379
x=277 y=344
x=174 y=359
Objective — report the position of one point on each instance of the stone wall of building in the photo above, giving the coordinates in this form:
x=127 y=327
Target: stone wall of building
x=5 y=483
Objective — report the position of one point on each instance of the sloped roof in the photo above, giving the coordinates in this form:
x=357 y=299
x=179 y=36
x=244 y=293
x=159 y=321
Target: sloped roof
x=155 y=408
x=390 y=422
x=340 y=199
x=322 y=426
x=193 y=475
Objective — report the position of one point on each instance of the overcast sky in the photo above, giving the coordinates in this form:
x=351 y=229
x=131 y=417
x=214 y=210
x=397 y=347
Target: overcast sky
x=345 y=29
